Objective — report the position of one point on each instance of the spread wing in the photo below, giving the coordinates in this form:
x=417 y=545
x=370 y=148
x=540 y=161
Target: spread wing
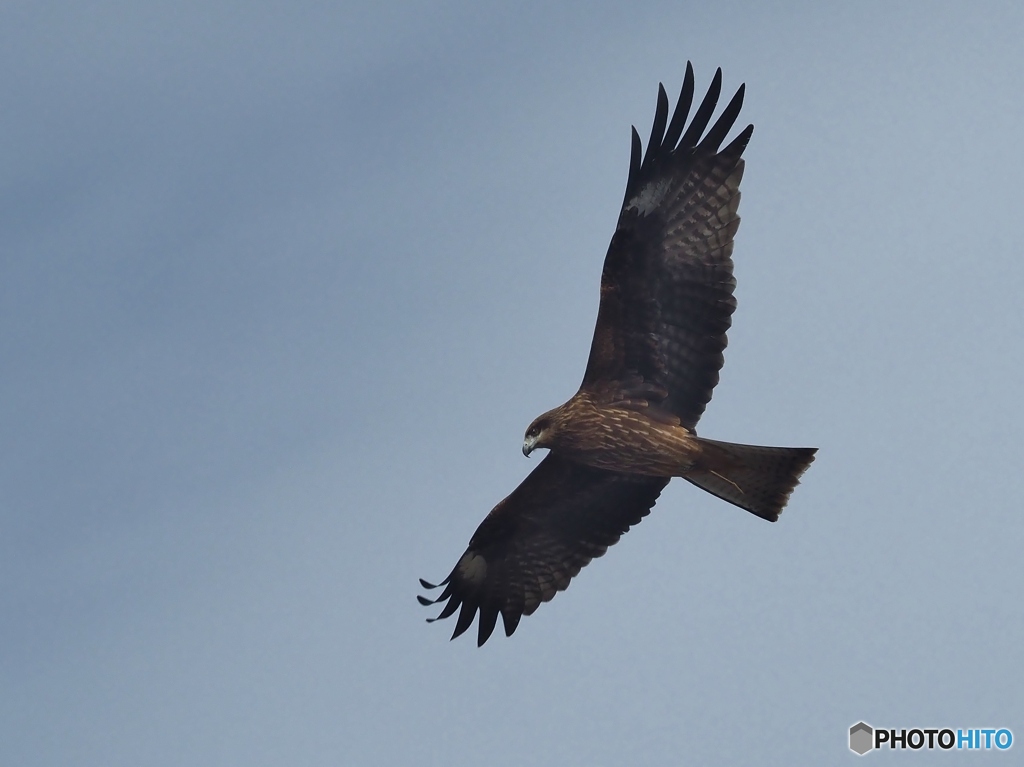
x=667 y=285
x=532 y=543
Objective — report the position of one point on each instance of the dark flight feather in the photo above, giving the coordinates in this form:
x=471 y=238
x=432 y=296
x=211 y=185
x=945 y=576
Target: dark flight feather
x=682 y=110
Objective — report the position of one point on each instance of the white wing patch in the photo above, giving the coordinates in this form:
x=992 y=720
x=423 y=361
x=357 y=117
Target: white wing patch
x=650 y=197
x=473 y=568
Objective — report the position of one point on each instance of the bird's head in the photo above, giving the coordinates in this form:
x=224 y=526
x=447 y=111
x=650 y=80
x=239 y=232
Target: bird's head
x=539 y=434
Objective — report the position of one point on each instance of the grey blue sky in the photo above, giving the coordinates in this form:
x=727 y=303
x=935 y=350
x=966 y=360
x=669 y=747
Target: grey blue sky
x=282 y=284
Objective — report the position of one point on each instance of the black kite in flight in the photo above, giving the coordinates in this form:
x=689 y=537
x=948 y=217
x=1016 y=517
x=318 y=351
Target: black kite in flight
x=666 y=304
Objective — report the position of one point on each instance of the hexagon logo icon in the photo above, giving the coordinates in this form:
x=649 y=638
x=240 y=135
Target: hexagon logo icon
x=861 y=738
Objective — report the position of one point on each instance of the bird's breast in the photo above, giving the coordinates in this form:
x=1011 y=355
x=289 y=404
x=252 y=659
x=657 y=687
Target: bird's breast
x=625 y=440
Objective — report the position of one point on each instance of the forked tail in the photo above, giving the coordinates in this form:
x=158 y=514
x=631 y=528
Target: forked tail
x=758 y=479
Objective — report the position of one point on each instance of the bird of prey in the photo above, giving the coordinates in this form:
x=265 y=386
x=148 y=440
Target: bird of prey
x=666 y=304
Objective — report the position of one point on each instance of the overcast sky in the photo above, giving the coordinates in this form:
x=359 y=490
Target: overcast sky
x=282 y=285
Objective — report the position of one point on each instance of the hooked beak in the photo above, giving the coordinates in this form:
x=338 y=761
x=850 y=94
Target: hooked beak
x=528 y=445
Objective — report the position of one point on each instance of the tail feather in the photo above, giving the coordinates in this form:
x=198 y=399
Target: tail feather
x=758 y=479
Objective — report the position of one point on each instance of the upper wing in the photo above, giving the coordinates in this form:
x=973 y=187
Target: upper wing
x=532 y=543
x=667 y=284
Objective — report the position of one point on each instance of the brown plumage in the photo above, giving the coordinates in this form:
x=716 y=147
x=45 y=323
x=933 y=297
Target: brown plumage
x=666 y=304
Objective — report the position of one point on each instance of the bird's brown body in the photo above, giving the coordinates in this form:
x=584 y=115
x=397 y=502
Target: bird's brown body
x=666 y=304
x=628 y=434
x=618 y=437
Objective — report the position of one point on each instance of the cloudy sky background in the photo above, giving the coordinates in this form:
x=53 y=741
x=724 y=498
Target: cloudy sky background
x=282 y=284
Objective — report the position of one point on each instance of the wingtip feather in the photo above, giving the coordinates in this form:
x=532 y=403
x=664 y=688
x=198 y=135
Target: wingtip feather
x=428 y=585
x=658 y=127
x=635 y=156
x=466 y=615
x=510 y=620
x=488 y=619
x=682 y=110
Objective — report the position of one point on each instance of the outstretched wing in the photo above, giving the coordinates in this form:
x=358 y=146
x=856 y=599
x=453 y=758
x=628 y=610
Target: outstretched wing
x=667 y=285
x=532 y=543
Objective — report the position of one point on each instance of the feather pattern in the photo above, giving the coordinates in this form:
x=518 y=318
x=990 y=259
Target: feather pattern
x=667 y=284
x=534 y=542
